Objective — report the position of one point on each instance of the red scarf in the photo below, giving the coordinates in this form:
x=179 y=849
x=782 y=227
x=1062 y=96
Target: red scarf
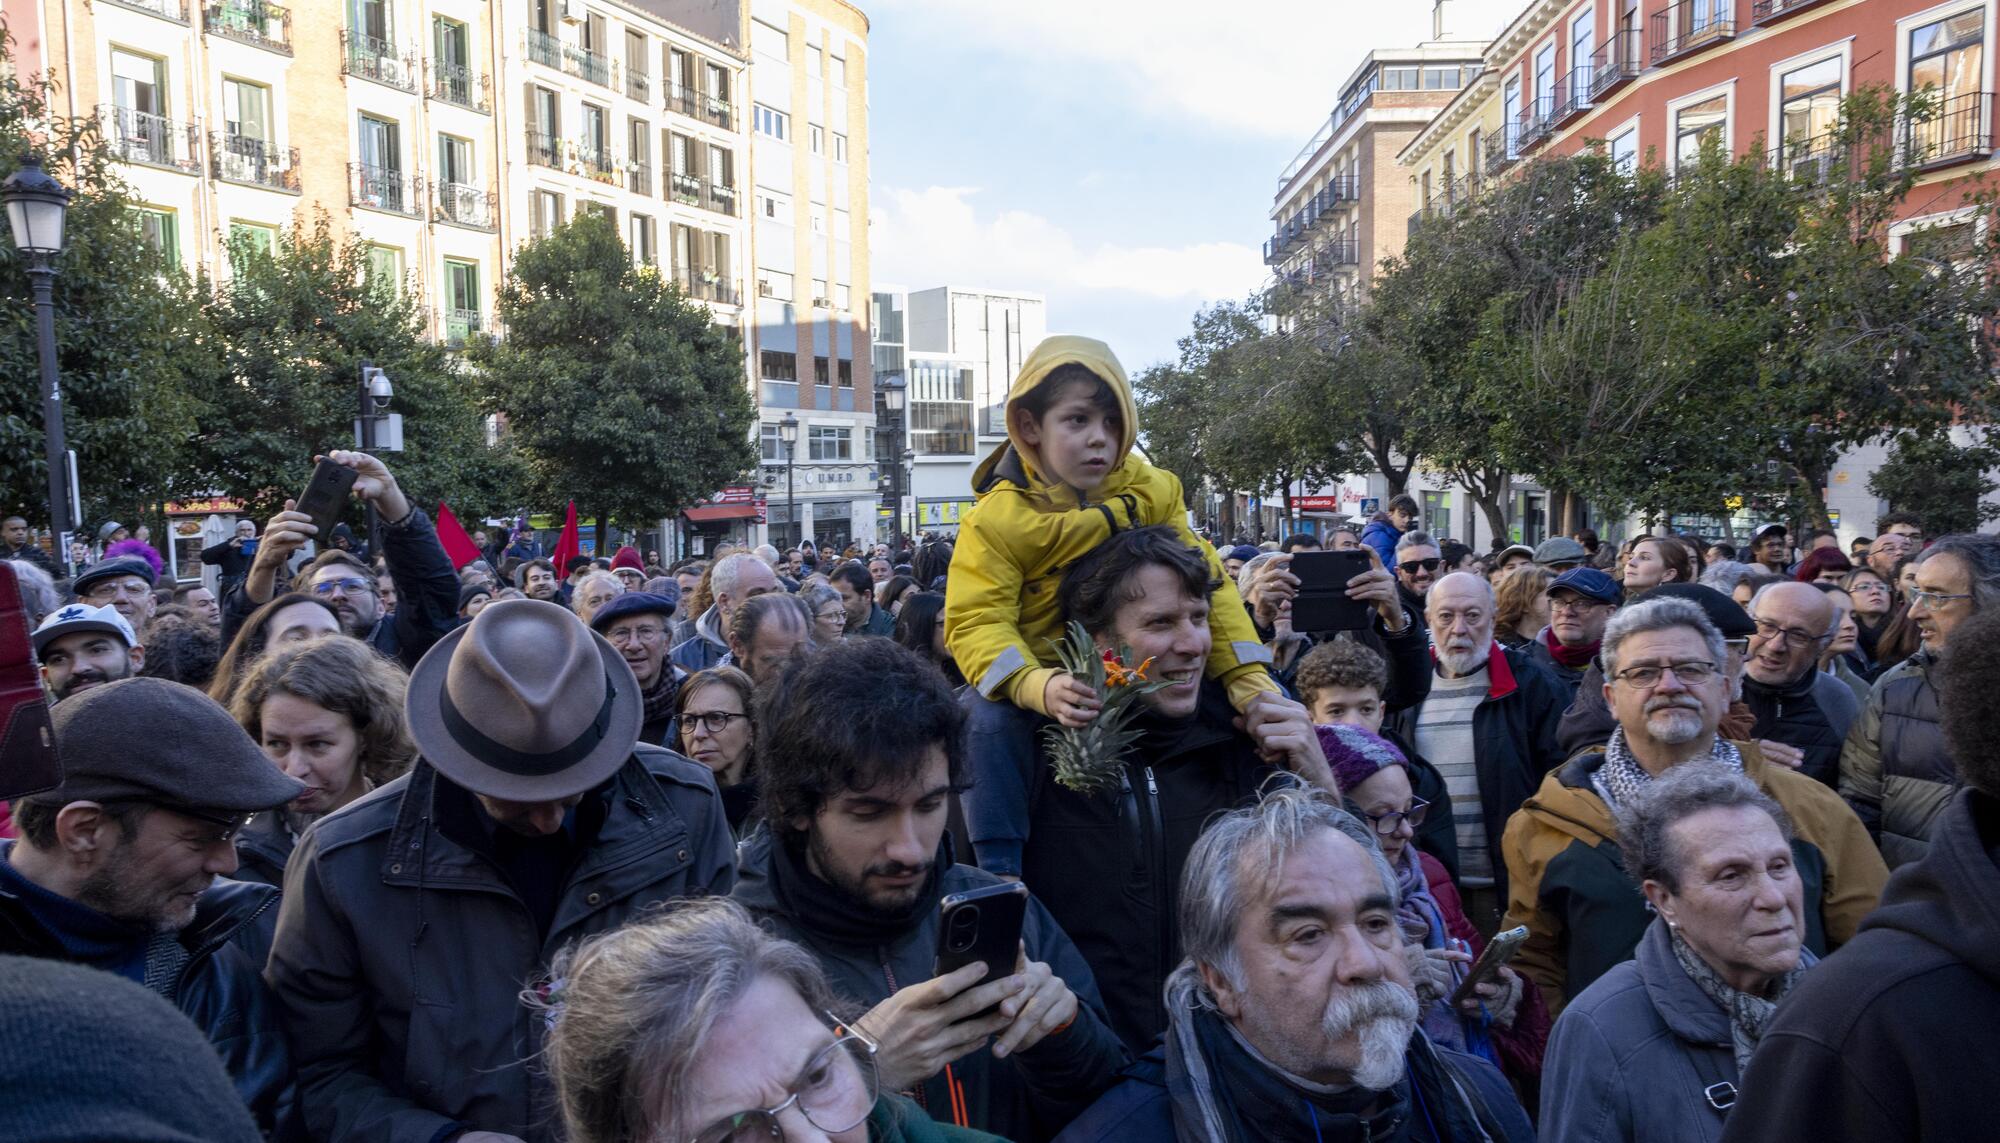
x=1575 y=658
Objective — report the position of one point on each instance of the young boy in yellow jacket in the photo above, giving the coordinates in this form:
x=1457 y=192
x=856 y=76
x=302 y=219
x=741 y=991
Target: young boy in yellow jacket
x=1066 y=481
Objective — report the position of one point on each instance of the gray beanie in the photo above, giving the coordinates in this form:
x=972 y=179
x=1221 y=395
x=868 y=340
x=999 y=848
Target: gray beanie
x=108 y=1061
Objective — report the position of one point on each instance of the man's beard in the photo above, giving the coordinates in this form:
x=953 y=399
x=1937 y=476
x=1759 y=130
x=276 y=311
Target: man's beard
x=1381 y=1016
x=888 y=904
x=106 y=890
x=91 y=675
x=1673 y=723
x=1462 y=662
x=351 y=619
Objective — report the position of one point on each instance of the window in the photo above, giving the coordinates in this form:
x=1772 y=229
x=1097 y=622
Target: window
x=829 y=442
x=771 y=444
x=636 y=63
x=1545 y=81
x=451 y=40
x=838 y=67
x=548 y=215
x=775 y=366
x=371 y=18
x=820 y=376
x=158 y=232
x=769 y=41
x=544 y=127
x=843 y=296
x=812 y=61
x=246 y=110
x=1510 y=115
x=455 y=161
x=1808 y=108
x=771 y=204
x=770 y=121
x=1440 y=79
x=1582 y=42
x=639 y=239
x=839 y=147
x=596 y=140
x=1947 y=58
x=816 y=138
x=722 y=167
x=819 y=295
x=381 y=146
x=1625 y=150
x=844 y=372
x=1472 y=153
x=1400 y=79
x=774 y=284
x=1697 y=123
x=382 y=269
x=461 y=285
x=680 y=72
x=717 y=78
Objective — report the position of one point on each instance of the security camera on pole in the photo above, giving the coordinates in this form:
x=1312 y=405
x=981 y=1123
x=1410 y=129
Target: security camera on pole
x=376 y=429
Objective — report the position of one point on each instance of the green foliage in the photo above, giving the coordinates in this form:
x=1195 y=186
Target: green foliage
x=618 y=392
x=286 y=335
x=1940 y=480
x=1089 y=759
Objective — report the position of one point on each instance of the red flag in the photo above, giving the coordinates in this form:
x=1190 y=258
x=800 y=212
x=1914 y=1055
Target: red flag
x=457 y=544
x=568 y=547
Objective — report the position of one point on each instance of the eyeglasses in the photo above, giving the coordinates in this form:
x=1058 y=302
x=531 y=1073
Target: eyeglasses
x=353 y=585
x=646 y=634
x=1412 y=567
x=1934 y=600
x=713 y=721
x=834 y=612
x=1768 y=630
x=835 y=1092
x=1575 y=605
x=111 y=589
x=1693 y=673
x=1388 y=824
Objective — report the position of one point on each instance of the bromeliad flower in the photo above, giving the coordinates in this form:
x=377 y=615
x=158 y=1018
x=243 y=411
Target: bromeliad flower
x=1090 y=759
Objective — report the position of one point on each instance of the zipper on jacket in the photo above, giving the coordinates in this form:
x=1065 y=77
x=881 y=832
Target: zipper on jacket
x=1155 y=850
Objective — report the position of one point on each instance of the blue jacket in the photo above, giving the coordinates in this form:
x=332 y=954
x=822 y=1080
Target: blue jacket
x=1381 y=535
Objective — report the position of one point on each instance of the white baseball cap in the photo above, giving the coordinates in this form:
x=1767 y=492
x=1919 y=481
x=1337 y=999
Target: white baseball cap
x=83 y=617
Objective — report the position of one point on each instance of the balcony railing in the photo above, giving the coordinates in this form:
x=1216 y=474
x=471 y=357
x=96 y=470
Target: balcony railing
x=151 y=140
x=1572 y=95
x=244 y=159
x=693 y=190
x=255 y=23
x=465 y=205
x=1341 y=253
x=175 y=10
x=459 y=326
x=1688 y=26
x=1616 y=64
x=1949 y=131
x=1505 y=151
x=595 y=162
x=638 y=85
x=701 y=105
x=1812 y=163
x=375 y=59
x=1537 y=121
x=639 y=179
x=544 y=150
x=383 y=188
x=544 y=48
x=457 y=85
x=588 y=65
x=1771 y=11
x=709 y=287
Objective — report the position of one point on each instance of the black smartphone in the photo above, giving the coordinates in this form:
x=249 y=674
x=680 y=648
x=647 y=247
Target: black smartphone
x=325 y=496
x=1498 y=952
x=1322 y=603
x=28 y=760
x=982 y=925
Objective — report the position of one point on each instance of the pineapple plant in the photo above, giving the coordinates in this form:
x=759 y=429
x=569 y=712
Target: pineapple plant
x=1088 y=759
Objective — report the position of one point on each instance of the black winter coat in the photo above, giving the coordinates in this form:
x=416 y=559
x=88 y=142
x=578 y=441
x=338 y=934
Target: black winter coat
x=1026 y=1097
x=401 y=953
x=209 y=970
x=1812 y=714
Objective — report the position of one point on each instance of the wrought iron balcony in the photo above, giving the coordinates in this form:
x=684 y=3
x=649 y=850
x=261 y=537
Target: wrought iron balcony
x=720 y=112
x=587 y=65
x=459 y=326
x=465 y=205
x=254 y=162
x=544 y=48
x=385 y=189
x=1572 y=95
x=1771 y=11
x=151 y=140
x=1813 y=163
x=1948 y=131
x=1685 y=28
x=1337 y=254
x=709 y=287
x=1537 y=121
x=457 y=85
x=544 y=150
x=375 y=59
x=696 y=104
x=638 y=85
x=252 y=22
x=595 y=162
x=1616 y=64
x=175 y=10
x=1507 y=153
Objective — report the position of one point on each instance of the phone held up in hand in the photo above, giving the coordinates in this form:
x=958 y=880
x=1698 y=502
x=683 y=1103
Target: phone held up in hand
x=982 y=924
x=1499 y=951
x=325 y=496
x=1322 y=603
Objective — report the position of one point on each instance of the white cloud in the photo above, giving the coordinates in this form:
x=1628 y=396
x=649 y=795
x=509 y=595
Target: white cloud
x=1265 y=67
x=937 y=236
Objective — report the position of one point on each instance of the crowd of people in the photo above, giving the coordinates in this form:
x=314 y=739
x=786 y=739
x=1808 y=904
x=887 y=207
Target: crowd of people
x=626 y=851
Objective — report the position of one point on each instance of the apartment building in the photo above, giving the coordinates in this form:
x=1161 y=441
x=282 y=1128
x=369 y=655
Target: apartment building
x=1342 y=202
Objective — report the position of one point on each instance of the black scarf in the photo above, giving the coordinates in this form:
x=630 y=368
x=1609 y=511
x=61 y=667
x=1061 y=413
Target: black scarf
x=824 y=910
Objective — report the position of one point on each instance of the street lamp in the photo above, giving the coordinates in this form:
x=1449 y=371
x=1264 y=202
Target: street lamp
x=894 y=389
x=788 y=431
x=35 y=207
x=375 y=392
x=909 y=463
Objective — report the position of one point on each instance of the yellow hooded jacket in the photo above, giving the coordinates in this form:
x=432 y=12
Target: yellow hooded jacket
x=1001 y=615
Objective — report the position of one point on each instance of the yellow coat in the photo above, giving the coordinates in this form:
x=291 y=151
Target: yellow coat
x=1001 y=615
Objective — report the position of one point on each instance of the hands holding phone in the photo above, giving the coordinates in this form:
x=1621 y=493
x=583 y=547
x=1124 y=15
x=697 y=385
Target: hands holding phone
x=926 y=1026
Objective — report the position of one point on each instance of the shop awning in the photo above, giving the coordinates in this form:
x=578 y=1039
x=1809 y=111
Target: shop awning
x=715 y=513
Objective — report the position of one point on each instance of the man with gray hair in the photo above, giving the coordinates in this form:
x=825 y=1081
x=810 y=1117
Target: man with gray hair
x=1293 y=1016
x=1803 y=709
x=734 y=579
x=1894 y=769
x=1666 y=682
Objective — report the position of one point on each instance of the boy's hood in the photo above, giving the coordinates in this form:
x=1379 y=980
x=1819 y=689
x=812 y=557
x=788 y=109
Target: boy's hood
x=1052 y=354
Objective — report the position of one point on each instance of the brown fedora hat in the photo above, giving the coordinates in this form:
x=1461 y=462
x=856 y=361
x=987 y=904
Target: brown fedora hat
x=525 y=704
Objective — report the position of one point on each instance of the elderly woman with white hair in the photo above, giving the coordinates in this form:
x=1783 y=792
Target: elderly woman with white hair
x=1653 y=1049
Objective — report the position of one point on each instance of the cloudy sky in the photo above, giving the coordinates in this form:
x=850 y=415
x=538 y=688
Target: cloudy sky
x=1116 y=156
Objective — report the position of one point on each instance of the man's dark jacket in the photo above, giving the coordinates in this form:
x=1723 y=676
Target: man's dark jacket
x=31 y=552
x=228 y=558
x=209 y=971
x=1812 y=713
x=263 y=848
x=1514 y=741
x=1108 y=866
x=426 y=594
x=1029 y=1096
x=1882 y=1040
x=402 y=949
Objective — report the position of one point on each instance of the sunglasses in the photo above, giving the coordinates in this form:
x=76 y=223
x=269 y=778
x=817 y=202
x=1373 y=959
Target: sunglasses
x=1412 y=567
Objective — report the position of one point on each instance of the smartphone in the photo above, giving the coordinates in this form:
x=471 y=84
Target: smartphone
x=982 y=925
x=325 y=496
x=1322 y=603
x=249 y=547
x=1499 y=951
x=29 y=763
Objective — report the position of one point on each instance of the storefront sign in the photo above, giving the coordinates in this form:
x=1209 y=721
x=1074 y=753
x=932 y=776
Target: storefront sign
x=217 y=505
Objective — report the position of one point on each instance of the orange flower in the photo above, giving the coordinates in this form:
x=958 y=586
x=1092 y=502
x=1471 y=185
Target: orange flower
x=1118 y=674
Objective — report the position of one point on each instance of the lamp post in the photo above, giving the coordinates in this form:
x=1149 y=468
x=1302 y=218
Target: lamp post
x=909 y=472
x=35 y=207
x=894 y=390
x=375 y=392
x=788 y=431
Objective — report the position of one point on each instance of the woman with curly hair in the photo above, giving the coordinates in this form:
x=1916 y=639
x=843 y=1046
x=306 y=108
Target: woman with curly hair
x=328 y=712
x=1521 y=605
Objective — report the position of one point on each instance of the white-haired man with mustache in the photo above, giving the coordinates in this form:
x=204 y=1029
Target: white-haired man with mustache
x=1292 y=1018
x=1668 y=680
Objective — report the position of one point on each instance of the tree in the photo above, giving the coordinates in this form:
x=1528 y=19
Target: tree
x=285 y=338
x=1940 y=480
x=617 y=391
x=123 y=321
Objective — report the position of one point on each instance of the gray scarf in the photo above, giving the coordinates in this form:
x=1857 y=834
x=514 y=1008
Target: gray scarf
x=1621 y=778
x=1748 y=1015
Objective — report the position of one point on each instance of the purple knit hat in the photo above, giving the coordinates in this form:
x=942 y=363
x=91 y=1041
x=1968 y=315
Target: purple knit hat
x=1355 y=754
